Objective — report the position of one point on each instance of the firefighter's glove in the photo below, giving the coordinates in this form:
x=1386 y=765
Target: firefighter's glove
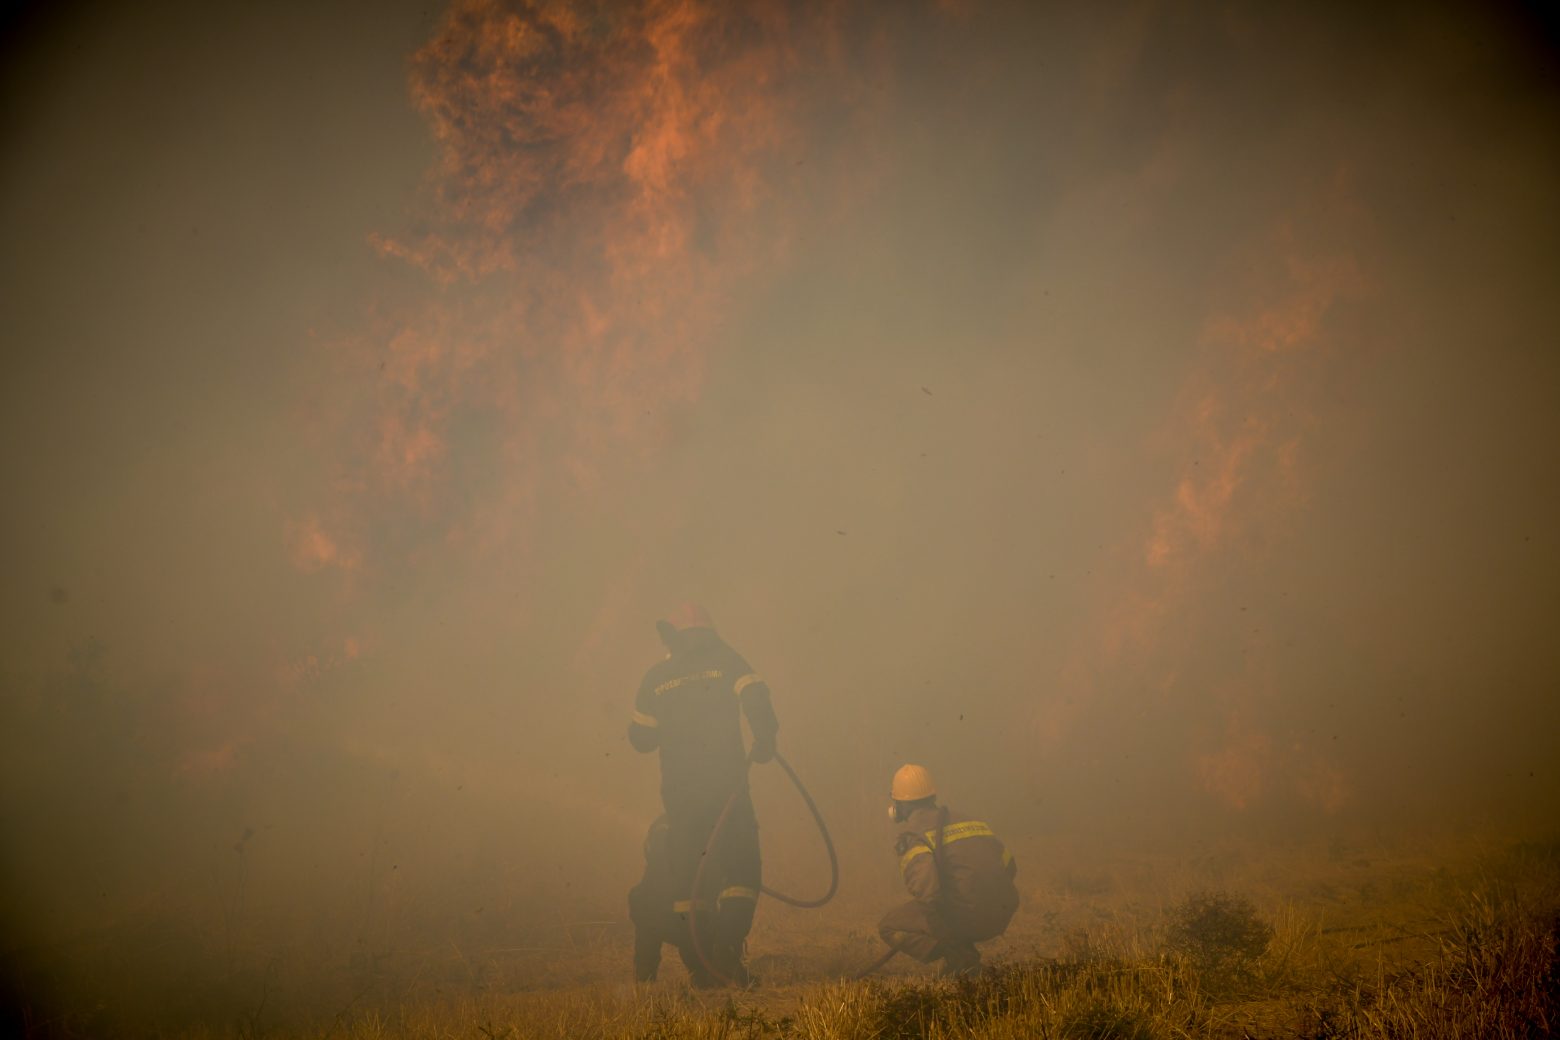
x=763 y=750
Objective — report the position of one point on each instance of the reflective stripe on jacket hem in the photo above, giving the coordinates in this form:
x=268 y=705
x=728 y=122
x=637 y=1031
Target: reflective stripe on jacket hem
x=738 y=892
x=683 y=906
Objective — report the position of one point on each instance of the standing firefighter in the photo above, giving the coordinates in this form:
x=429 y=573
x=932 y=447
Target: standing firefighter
x=690 y=707
x=960 y=878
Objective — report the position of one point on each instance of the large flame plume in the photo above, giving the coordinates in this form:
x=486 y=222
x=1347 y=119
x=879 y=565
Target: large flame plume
x=599 y=202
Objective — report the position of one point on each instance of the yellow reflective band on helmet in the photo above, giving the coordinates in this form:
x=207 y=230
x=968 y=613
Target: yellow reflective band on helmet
x=737 y=892
x=959 y=831
x=648 y=721
x=672 y=684
x=904 y=861
x=747 y=680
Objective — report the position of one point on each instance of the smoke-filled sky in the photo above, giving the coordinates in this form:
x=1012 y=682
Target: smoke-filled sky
x=1138 y=413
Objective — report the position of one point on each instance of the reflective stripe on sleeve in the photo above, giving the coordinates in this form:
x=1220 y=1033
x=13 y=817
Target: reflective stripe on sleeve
x=904 y=861
x=683 y=906
x=647 y=721
x=737 y=892
x=747 y=680
x=1007 y=858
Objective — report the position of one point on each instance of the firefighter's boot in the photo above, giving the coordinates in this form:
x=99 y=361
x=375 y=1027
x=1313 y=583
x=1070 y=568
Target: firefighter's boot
x=959 y=959
x=737 y=905
x=729 y=961
x=647 y=956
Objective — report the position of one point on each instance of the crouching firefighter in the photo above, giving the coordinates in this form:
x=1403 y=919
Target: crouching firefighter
x=690 y=708
x=960 y=878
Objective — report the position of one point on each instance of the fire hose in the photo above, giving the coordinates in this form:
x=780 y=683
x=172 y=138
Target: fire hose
x=804 y=904
x=709 y=847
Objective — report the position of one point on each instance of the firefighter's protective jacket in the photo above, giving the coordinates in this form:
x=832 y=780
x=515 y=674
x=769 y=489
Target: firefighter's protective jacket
x=959 y=866
x=690 y=707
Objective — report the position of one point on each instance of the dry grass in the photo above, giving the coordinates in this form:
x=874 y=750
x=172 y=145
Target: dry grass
x=1494 y=975
x=1389 y=948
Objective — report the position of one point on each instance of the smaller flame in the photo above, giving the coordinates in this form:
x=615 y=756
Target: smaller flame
x=1235 y=774
x=313 y=549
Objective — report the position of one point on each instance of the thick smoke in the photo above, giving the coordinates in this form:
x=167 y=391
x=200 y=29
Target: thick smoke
x=1145 y=417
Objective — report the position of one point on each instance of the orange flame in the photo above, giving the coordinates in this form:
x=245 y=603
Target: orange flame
x=596 y=211
x=611 y=183
x=1238 y=439
x=1237 y=426
x=313 y=549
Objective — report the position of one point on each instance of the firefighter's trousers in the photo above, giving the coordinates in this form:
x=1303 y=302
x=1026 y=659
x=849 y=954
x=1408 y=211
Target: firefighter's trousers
x=928 y=932
x=730 y=882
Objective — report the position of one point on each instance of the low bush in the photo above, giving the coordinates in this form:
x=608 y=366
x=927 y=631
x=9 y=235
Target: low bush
x=1222 y=937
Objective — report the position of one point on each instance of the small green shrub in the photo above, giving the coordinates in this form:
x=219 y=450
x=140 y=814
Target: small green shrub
x=1221 y=935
